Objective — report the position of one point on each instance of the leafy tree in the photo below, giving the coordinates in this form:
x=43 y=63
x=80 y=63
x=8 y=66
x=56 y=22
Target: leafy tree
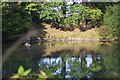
x=15 y=20
x=51 y=12
x=56 y=13
x=112 y=19
x=79 y=13
x=18 y=17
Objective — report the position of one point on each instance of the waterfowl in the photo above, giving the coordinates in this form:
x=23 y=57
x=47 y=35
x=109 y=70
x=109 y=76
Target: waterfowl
x=27 y=44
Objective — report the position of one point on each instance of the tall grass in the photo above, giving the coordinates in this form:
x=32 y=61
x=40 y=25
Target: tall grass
x=56 y=34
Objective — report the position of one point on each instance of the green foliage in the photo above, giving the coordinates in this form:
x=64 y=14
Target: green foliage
x=104 y=32
x=95 y=67
x=15 y=20
x=20 y=70
x=79 y=13
x=112 y=19
x=21 y=73
x=78 y=69
x=48 y=13
x=95 y=14
x=42 y=76
x=18 y=17
x=47 y=71
x=55 y=13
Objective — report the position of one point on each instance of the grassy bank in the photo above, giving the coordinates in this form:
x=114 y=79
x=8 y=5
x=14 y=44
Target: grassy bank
x=76 y=35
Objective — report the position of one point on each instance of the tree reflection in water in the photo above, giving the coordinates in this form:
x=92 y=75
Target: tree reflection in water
x=103 y=61
x=69 y=66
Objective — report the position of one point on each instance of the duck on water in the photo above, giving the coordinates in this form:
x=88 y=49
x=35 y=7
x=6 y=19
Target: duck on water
x=31 y=40
x=28 y=42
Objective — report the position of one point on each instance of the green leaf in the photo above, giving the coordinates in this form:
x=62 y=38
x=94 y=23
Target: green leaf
x=52 y=74
x=26 y=72
x=15 y=76
x=20 y=70
x=43 y=73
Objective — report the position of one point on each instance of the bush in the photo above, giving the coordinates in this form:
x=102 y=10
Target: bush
x=15 y=20
x=112 y=19
x=104 y=32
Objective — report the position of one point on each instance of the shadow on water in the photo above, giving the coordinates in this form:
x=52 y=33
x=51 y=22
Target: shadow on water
x=67 y=60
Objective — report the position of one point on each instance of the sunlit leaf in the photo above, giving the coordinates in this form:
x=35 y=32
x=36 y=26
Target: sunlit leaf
x=15 y=76
x=26 y=72
x=21 y=70
x=42 y=73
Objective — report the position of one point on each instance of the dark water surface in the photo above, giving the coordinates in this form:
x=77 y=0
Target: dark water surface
x=66 y=59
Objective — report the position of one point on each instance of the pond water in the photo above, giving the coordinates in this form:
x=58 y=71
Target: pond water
x=66 y=59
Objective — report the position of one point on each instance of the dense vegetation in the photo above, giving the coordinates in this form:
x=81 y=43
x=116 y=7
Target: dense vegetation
x=15 y=19
x=112 y=19
x=19 y=17
x=78 y=69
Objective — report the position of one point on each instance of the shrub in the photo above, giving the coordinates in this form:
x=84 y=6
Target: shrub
x=112 y=19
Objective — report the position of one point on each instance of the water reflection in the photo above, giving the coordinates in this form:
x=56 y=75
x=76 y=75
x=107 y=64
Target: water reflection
x=88 y=60
x=67 y=60
x=73 y=66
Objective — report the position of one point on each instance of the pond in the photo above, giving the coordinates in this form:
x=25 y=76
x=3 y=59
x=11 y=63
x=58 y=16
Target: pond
x=66 y=59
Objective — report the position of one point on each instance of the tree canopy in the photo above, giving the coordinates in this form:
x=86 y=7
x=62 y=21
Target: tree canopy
x=19 y=16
